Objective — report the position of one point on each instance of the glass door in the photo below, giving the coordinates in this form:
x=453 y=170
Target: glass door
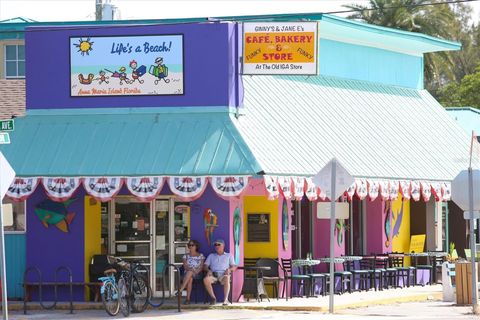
x=131 y=222
x=162 y=278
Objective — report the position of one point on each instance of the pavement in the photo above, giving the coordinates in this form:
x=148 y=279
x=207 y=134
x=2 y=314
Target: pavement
x=407 y=303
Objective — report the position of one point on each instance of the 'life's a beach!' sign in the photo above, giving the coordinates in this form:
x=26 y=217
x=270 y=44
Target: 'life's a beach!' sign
x=280 y=48
x=125 y=66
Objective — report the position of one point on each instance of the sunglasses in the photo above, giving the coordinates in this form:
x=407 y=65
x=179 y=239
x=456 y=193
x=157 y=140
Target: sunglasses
x=217 y=244
x=191 y=245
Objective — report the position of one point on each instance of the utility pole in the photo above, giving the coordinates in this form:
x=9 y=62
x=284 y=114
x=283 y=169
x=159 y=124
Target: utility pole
x=98 y=10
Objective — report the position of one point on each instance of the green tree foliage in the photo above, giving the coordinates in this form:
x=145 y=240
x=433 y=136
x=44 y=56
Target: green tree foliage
x=443 y=70
x=467 y=93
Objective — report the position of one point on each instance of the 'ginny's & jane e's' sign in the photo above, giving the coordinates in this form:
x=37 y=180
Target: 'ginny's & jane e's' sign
x=126 y=65
x=280 y=48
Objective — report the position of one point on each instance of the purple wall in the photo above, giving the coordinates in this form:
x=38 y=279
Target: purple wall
x=209 y=66
x=50 y=248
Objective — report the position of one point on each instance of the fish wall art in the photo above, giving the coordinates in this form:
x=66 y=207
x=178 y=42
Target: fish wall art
x=55 y=213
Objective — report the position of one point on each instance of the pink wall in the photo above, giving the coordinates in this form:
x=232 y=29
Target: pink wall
x=322 y=239
x=375 y=232
x=238 y=275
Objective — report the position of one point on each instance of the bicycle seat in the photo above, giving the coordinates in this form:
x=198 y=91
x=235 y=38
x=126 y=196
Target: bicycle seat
x=109 y=271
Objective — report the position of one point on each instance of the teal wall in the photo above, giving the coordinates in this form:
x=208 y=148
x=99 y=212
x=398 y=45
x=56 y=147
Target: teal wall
x=15 y=261
x=371 y=64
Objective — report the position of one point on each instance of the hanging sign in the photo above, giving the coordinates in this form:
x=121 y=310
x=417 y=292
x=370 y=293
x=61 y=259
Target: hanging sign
x=60 y=189
x=103 y=188
x=298 y=187
x=145 y=188
x=22 y=188
x=426 y=190
x=126 y=65
x=280 y=48
x=446 y=191
x=229 y=186
x=187 y=187
x=393 y=190
x=405 y=189
x=372 y=189
x=384 y=189
x=437 y=191
x=310 y=189
x=271 y=185
x=285 y=186
x=415 y=187
x=361 y=189
x=351 y=191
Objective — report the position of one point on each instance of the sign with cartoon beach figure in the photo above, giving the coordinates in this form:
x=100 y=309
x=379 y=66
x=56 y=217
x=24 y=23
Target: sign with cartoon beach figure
x=280 y=48
x=126 y=65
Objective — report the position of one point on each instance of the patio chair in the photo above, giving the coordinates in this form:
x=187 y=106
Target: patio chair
x=346 y=278
x=375 y=273
x=406 y=273
x=358 y=272
x=428 y=266
x=301 y=280
x=437 y=264
x=314 y=278
x=273 y=277
x=389 y=275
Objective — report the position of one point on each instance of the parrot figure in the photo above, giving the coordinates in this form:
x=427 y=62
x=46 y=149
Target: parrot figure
x=210 y=223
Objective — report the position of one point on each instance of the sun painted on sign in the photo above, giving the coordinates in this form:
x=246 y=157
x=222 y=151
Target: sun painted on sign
x=55 y=213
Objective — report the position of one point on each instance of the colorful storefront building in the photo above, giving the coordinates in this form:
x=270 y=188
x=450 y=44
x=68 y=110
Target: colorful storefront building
x=140 y=136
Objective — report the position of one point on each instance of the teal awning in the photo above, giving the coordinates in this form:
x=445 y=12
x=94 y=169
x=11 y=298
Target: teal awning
x=128 y=142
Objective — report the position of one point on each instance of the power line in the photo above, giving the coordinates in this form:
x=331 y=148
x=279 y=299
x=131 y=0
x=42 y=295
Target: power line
x=403 y=6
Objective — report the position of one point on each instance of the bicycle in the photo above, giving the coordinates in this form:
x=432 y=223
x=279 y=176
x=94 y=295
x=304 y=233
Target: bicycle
x=139 y=292
x=109 y=294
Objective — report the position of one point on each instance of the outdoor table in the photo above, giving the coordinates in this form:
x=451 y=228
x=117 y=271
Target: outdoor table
x=305 y=262
x=335 y=260
x=255 y=286
x=421 y=273
x=352 y=258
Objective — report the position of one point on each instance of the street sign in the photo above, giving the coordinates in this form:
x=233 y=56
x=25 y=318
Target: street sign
x=468 y=216
x=324 y=210
x=343 y=179
x=6 y=125
x=4 y=138
x=460 y=190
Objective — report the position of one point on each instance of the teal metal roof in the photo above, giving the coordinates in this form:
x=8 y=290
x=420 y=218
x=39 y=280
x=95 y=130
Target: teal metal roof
x=296 y=125
x=468 y=118
x=331 y=27
x=128 y=143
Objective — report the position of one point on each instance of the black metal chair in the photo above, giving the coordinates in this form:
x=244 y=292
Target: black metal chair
x=314 y=278
x=360 y=272
x=426 y=266
x=406 y=273
x=272 y=277
x=301 y=280
x=389 y=275
x=346 y=278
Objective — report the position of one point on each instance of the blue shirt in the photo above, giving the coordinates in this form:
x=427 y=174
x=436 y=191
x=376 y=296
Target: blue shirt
x=219 y=263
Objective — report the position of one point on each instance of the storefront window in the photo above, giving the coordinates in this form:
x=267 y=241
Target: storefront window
x=14 y=219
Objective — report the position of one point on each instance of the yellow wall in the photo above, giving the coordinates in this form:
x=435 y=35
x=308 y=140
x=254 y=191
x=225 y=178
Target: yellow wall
x=2 y=54
x=401 y=242
x=93 y=229
x=260 y=204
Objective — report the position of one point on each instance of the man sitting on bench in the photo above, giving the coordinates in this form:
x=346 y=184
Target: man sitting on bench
x=219 y=266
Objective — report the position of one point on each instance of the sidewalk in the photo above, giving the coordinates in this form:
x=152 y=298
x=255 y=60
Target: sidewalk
x=345 y=301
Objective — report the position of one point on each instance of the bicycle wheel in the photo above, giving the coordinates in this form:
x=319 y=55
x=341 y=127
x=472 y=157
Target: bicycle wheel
x=123 y=297
x=140 y=293
x=110 y=299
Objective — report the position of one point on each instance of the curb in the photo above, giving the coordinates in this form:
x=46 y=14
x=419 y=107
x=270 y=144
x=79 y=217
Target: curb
x=360 y=304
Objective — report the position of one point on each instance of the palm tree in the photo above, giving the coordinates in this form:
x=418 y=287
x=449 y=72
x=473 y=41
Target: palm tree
x=414 y=16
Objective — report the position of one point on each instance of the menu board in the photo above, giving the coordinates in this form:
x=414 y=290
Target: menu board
x=258 y=227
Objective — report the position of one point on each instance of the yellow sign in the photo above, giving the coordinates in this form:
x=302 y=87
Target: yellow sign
x=280 y=48
x=417 y=243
